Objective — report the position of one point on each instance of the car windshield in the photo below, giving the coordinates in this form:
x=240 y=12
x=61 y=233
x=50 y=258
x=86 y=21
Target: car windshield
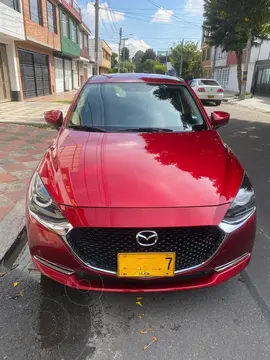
x=137 y=107
x=209 y=82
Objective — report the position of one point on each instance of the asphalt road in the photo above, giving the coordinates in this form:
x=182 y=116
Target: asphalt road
x=42 y=320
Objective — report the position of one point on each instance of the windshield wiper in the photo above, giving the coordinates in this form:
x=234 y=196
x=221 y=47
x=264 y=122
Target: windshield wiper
x=86 y=128
x=153 y=130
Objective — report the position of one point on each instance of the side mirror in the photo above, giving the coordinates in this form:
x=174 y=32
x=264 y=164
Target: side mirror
x=220 y=118
x=54 y=118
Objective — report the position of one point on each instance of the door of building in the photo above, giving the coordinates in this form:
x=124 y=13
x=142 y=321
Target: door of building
x=68 y=75
x=34 y=74
x=76 y=74
x=85 y=72
x=4 y=75
x=59 y=74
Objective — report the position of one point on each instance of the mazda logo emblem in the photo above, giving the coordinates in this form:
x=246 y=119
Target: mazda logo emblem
x=147 y=238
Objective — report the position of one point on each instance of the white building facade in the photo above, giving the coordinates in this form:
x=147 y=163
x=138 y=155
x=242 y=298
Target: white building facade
x=11 y=29
x=258 y=81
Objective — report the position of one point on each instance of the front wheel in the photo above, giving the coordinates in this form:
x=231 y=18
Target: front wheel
x=218 y=102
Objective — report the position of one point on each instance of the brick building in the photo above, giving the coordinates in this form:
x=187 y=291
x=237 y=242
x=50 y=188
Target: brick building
x=206 y=55
x=46 y=52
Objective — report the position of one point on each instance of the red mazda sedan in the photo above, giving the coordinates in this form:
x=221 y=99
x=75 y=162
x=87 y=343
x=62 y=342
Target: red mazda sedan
x=138 y=192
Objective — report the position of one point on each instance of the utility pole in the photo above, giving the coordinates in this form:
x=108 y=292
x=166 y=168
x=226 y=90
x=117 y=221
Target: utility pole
x=245 y=72
x=214 y=62
x=182 y=59
x=97 y=36
x=119 y=49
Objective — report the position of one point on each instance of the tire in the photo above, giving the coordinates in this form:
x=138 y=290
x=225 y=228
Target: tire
x=218 y=102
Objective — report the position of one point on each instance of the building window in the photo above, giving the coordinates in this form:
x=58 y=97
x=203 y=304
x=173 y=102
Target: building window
x=106 y=55
x=81 y=40
x=85 y=42
x=74 y=32
x=14 y=4
x=51 y=16
x=65 y=25
x=35 y=11
x=208 y=54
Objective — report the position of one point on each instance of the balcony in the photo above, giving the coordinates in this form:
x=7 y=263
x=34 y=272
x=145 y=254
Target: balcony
x=11 y=15
x=72 y=8
x=84 y=53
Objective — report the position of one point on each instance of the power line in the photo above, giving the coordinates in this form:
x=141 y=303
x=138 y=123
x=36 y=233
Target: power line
x=169 y=12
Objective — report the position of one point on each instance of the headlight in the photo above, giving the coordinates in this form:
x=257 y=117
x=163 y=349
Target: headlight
x=44 y=209
x=243 y=205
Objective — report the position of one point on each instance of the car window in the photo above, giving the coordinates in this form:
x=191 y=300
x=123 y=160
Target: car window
x=193 y=83
x=209 y=82
x=117 y=106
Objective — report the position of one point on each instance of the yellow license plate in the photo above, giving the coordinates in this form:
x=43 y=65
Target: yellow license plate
x=211 y=96
x=146 y=264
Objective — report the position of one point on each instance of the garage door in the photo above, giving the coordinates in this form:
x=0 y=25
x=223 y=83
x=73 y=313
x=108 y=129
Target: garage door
x=59 y=74
x=34 y=74
x=68 y=74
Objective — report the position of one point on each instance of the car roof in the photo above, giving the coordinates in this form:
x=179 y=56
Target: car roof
x=134 y=77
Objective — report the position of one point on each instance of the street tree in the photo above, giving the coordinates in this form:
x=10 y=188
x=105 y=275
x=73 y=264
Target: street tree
x=127 y=65
x=148 y=55
x=124 y=54
x=159 y=68
x=148 y=66
x=114 y=60
x=189 y=56
x=152 y=67
x=232 y=23
x=137 y=58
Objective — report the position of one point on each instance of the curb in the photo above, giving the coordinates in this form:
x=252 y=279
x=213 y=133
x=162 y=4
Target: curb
x=11 y=227
x=255 y=293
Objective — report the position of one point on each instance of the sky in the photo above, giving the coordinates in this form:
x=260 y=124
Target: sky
x=157 y=24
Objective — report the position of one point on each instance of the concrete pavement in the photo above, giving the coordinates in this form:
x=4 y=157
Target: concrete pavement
x=257 y=103
x=21 y=148
x=26 y=112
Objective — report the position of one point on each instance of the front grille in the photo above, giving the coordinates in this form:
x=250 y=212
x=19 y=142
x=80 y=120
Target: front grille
x=99 y=247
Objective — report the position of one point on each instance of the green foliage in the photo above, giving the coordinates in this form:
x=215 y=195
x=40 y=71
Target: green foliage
x=148 y=55
x=191 y=60
x=159 y=68
x=162 y=59
x=126 y=66
x=124 y=54
x=137 y=58
x=231 y=23
x=147 y=63
x=148 y=66
x=114 y=70
x=114 y=60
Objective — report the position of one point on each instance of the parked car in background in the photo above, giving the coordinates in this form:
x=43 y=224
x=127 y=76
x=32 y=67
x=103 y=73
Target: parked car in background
x=208 y=90
x=138 y=191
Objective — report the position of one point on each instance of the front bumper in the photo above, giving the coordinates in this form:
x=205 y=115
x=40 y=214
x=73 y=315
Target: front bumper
x=53 y=257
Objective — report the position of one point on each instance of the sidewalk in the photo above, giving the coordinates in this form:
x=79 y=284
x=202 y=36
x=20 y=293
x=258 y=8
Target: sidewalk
x=31 y=111
x=257 y=103
x=63 y=96
x=28 y=112
x=21 y=148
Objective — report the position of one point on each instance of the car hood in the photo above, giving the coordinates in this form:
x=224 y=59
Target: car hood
x=140 y=170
